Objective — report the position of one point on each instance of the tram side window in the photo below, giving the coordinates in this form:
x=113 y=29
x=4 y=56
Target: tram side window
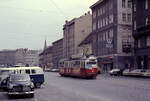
x=33 y=71
x=28 y=71
x=77 y=64
x=82 y=64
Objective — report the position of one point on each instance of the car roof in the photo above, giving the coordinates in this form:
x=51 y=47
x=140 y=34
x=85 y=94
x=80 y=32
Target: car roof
x=19 y=74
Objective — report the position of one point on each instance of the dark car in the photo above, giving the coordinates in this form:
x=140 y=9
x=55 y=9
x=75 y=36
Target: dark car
x=20 y=84
x=3 y=80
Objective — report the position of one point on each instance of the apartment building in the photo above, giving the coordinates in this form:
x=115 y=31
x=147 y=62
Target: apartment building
x=112 y=33
x=74 y=32
x=141 y=33
x=58 y=52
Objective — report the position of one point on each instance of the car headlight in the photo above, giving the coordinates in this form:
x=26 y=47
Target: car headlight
x=10 y=86
x=32 y=85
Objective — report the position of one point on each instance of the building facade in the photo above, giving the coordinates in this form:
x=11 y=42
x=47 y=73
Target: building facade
x=58 y=52
x=26 y=57
x=85 y=47
x=112 y=33
x=46 y=58
x=22 y=57
x=7 y=57
x=32 y=58
x=74 y=32
x=141 y=33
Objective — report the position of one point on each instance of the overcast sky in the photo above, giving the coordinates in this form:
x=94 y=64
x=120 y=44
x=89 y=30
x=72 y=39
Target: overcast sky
x=26 y=23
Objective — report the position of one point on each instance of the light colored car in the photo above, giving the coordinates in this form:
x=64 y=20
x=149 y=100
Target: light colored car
x=146 y=73
x=135 y=72
x=138 y=72
x=54 y=70
x=115 y=72
x=127 y=72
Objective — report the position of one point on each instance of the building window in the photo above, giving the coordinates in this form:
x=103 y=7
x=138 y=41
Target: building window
x=134 y=7
x=104 y=10
x=146 y=4
x=94 y=26
x=99 y=23
x=134 y=25
x=94 y=14
x=110 y=5
x=111 y=33
x=139 y=43
x=146 y=21
x=103 y=22
x=98 y=13
x=124 y=17
x=111 y=19
x=129 y=17
x=106 y=35
x=123 y=3
x=103 y=36
x=106 y=22
x=129 y=3
x=148 y=41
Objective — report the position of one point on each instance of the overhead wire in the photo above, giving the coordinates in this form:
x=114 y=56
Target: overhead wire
x=61 y=12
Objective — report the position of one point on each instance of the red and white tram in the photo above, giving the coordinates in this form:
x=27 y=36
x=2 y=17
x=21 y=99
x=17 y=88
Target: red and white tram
x=79 y=67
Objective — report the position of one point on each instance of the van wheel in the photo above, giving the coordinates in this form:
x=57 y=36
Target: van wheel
x=38 y=85
x=10 y=96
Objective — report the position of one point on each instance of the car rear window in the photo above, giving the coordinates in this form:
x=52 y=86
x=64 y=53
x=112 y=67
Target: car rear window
x=33 y=71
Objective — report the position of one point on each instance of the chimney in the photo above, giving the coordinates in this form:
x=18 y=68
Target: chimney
x=66 y=21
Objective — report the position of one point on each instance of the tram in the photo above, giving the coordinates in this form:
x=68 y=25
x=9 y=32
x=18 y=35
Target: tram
x=79 y=67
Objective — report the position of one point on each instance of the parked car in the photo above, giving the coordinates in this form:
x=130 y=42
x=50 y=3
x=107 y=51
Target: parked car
x=54 y=70
x=127 y=72
x=138 y=72
x=146 y=73
x=115 y=72
x=135 y=72
x=3 y=80
x=20 y=84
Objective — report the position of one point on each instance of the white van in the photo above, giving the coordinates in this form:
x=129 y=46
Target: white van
x=36 y=73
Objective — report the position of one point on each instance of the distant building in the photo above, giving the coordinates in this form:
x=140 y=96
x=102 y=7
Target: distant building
x=32 y=58
x=141 y=33
x=27 y=57
x=46 y=58
x=74 y=32
x=57 y=52
x=7 y=57
x=112 y=33
x=22 y=57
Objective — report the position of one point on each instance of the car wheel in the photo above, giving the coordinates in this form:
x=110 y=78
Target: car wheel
x=38 y=85
x=10 y=96
x=31 y=95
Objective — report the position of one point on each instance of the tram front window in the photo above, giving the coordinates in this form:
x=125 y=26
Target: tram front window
x=91 y=64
